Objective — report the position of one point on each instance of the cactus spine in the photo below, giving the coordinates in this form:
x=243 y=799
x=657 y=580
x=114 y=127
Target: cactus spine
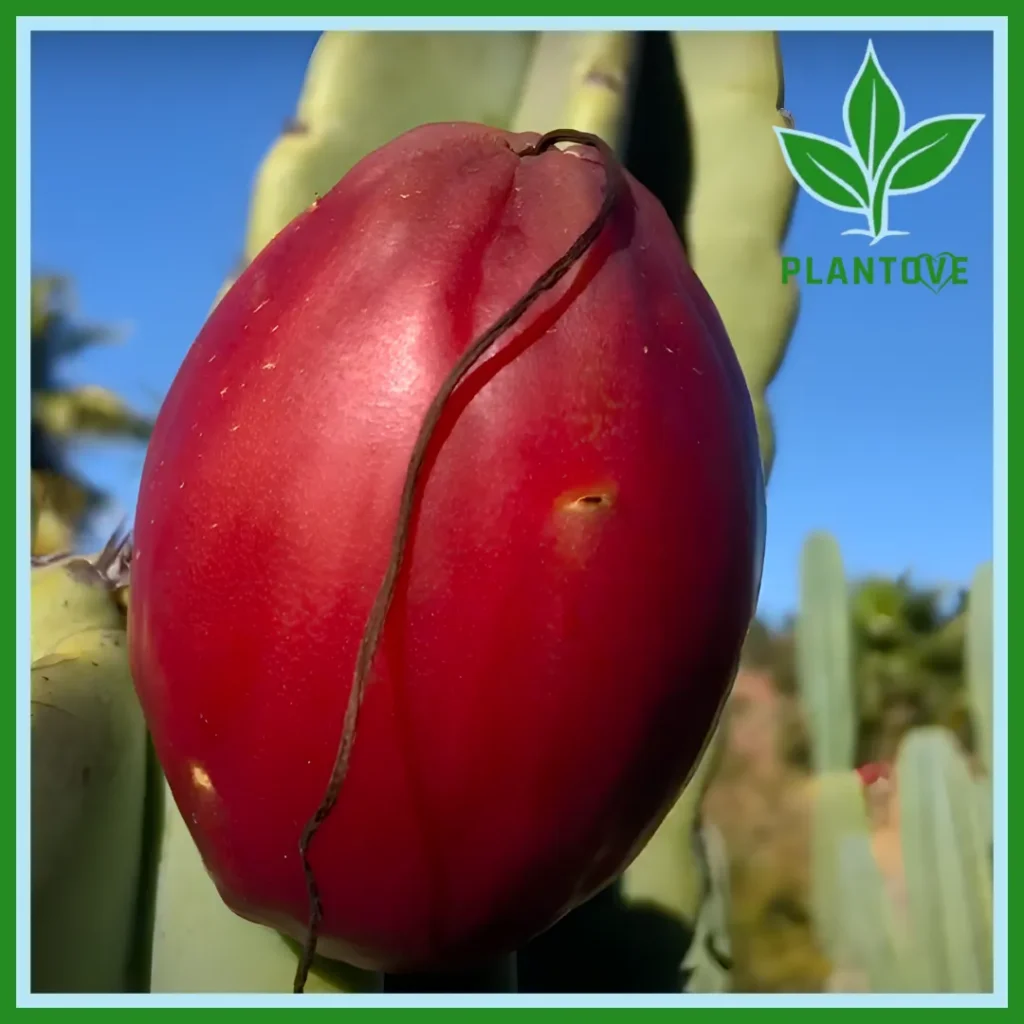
x=825 y=656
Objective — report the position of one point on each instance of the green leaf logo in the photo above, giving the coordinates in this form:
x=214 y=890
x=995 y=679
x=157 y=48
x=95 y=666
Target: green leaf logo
x=884 y=158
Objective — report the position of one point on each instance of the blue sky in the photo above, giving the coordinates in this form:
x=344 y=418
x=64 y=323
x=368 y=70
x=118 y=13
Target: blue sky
x=143 y=151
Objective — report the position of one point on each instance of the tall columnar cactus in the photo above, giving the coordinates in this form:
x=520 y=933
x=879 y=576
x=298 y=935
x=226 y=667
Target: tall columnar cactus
x=979 y=662
x=825 y=656
x=948 y=873
x=870 y=941
x=364 y=88
x=979 y=673
x=582 y=80
x=930 y=928
x=838 y=815
x=741 y=197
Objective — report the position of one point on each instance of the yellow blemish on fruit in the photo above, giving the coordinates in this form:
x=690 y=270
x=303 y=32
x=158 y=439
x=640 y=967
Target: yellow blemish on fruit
x=200 y=779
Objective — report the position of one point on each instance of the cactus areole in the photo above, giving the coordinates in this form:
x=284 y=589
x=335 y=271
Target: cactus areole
x=449 y=534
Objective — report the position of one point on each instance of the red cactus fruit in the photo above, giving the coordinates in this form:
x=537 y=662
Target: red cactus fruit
x=581 y=564
x=874 y=772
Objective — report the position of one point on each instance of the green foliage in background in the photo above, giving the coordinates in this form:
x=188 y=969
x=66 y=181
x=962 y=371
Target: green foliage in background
x=63 y=415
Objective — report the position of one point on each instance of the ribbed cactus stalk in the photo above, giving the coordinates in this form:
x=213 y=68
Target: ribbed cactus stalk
x=581 y=80
x=88 y=779
x=741 y=197
x=979 y=661
x=869 y=940
x=838 y=814
x=364 y=88
x=979 y=671
x=824 y=651
x=928 y=928
x=946 y=859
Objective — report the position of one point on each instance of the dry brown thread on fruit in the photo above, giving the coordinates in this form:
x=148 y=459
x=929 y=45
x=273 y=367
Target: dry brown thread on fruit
x=615 y=187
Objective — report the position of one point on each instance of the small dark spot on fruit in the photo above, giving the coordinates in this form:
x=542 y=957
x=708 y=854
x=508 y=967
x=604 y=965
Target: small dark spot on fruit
x=95 y=664
x=86 y=772
x=598 y=497
x=46 y=679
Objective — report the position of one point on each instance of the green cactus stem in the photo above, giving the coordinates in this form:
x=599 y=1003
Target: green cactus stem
x=199 y=945
x=838 y=813
x=868 y=938
x=980 y=662
x=741 y=197
x=824 y=655
x=946 y=863
x=364 y=88
x=88 y=792
x=581 y=80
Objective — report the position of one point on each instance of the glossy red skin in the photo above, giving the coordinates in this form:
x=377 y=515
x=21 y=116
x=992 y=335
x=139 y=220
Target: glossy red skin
x=550 y=669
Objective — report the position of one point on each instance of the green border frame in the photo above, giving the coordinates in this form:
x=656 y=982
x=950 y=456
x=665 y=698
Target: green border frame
x=595 y=8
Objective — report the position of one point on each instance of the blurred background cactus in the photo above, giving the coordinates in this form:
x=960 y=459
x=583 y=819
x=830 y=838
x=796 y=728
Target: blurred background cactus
x=789 y=873
x=877 y=657
x=897 y=891
x=824 y=655
x=904 y=902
